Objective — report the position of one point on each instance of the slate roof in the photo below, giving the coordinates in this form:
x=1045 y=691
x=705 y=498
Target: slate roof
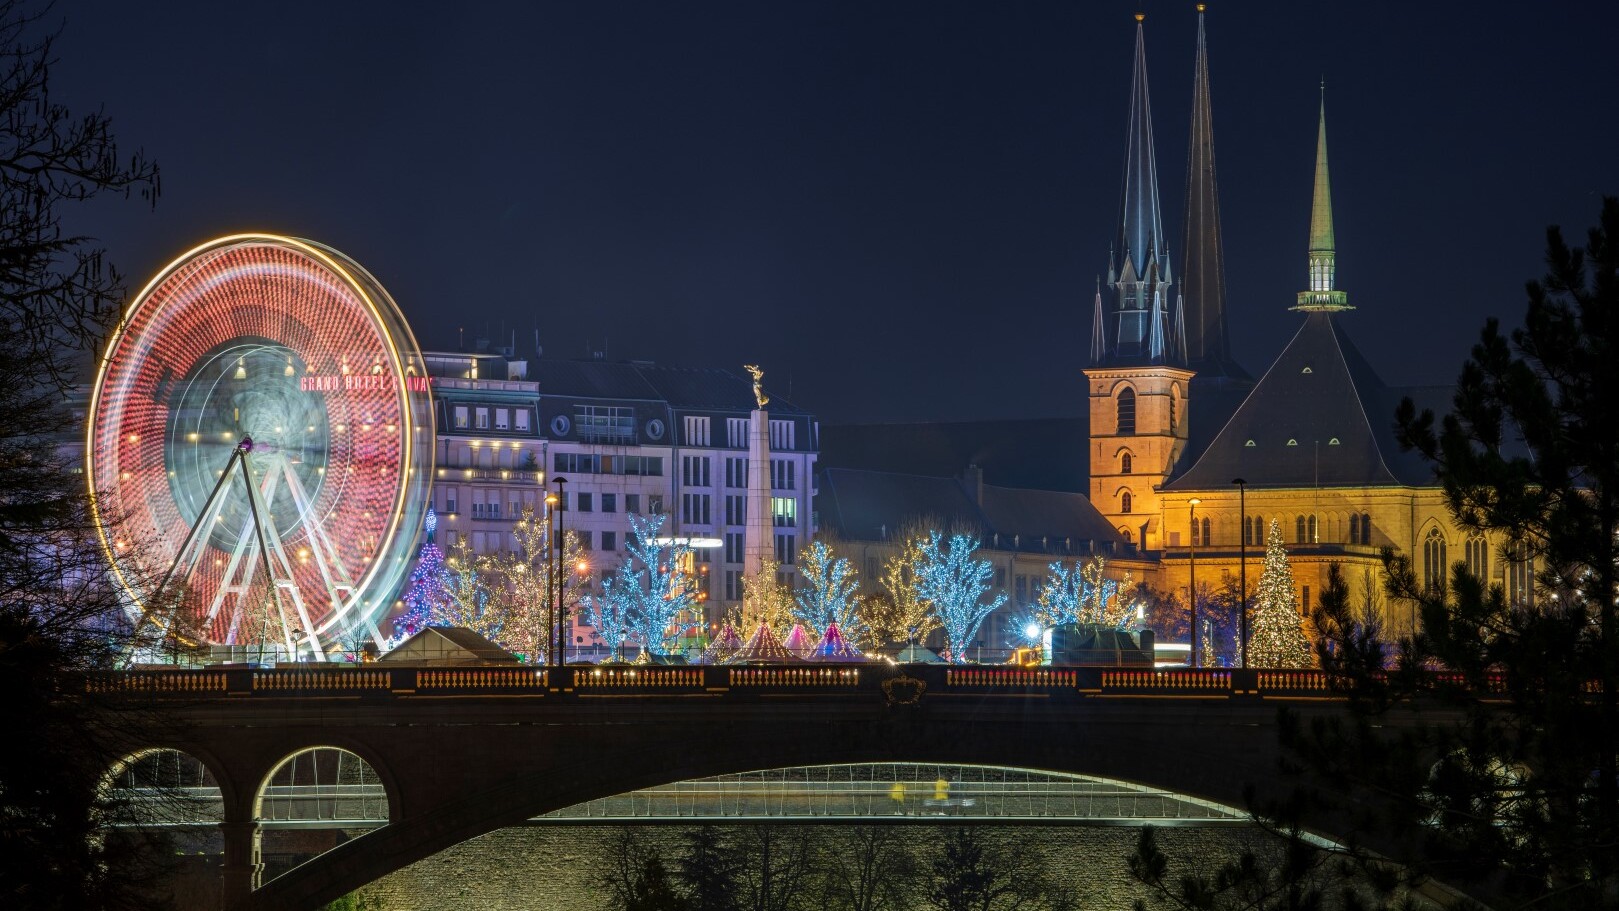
x=1040 y=454
x=1320 y=416
x=680 y=387
x=874 y=505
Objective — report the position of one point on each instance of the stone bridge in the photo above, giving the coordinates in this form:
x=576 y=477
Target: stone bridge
x=465 y=751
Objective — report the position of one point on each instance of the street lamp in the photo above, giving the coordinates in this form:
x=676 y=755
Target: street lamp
x=1242 y=570
x=554 y=630
x=1191 y=585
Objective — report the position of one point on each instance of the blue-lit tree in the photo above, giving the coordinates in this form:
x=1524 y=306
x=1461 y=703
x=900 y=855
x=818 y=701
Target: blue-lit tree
x=1081 y=594
x=611 y=613
x=428 y=592
x=828 y=595
x=955 y=585
x=654 y=582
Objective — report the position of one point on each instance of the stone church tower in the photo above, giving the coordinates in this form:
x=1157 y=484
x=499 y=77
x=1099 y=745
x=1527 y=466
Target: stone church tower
x=1138 y=376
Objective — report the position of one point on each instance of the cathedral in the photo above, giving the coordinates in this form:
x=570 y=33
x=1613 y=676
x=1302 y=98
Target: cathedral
x=1186 y=458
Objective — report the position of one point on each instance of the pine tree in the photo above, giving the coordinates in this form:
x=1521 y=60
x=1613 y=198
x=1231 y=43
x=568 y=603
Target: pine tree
x=428 y=593
x=707 y=869
x=1276 y=634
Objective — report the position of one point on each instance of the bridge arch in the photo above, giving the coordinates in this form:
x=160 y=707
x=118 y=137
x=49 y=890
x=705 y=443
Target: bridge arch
x=313 y=800
x=164 y=786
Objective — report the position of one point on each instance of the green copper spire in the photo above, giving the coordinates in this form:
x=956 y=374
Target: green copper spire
x=1323 y=246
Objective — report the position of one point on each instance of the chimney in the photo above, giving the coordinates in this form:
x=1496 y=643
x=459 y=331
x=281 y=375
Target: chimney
x=973 y=480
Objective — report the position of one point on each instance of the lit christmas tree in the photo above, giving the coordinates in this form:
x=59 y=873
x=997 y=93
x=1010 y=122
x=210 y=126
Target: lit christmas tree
x=657 y=574
x=767 y=599
x=1276 y=632
x=611 y=613
x=428 y=593
x=828 y=596
x=955 y=584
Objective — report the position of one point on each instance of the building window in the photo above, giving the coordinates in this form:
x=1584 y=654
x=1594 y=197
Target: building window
x=481 y=416
x=609 y=502
x=450 y=501
x=460 y=417
x=1478 y=558
x=736 y=472
x=1200 y=532
x=736 y=510
x=642 y=466
x=1433 y=561
x=566 y=463
x=584 y=538
x=781 y=436
x=654 y=504
x=1126 y=407
x=782 y=474
x=784 y=512
x=733 y=585
x=696 y=431
x=694 y=471
x=1520 y=577
x=694 y=508
x=587 y=501
x=1124 y=464
x=1124 y=501
x=503 y=419
x=733 y=547
x=1304 y=599
x=1298 y=531
x=609 y=540
x=786 y=549
x=1125 y=534
x=736 y=433
x=522 y=419
x=605 y=423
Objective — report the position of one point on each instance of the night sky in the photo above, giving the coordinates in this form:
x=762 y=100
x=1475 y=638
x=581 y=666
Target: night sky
x=898 y=208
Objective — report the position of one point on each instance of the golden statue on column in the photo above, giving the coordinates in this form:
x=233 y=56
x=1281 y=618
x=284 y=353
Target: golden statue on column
x=758 y=384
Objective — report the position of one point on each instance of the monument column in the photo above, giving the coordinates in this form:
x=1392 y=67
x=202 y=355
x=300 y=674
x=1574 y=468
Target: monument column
x=758 y=544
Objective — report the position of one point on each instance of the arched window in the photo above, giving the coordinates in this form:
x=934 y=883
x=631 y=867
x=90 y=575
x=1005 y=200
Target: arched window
x=1520 y=577
x=1124 y=464
x=1433 y=561
x=1313 y=530
x=1124 y=533
x=1250 y=530
x=1205 y=523
x=1354 y=528
x=1126 y=404
x=1299 y=531
x=1478 y=557
x=1174 y=405
x=1124 y=501
x=1365 y=528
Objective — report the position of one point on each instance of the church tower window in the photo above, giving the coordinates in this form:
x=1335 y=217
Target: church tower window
x=1520 y=576
x=1127 y=412
x=1478 y=557
x=1124 y=502
x=1124 y=464
x=1433 y=561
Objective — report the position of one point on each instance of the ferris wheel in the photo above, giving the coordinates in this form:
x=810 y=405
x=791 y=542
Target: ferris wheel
x=260 y=448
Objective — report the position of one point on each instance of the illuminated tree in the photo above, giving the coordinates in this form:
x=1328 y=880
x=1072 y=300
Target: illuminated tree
x=1276 y=633
x=828 y=595
x=612 y=613
x=900 y=583
x=766 y=598
x=1081 y=594
x=428 y=592
x=655 y=580
x=954 y=584
x=523 y=596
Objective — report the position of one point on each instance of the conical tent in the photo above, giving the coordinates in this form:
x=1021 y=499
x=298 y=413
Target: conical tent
x=762 y=648
x=833 y=647
x=724 y=646
x=799 y=642
x=916 y=654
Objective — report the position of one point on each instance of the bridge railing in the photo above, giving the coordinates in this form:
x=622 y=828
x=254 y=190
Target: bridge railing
x=382 y=682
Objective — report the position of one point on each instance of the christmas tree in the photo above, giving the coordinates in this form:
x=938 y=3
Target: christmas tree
x=956 y=585
x=427 y=594
x=1276 y=634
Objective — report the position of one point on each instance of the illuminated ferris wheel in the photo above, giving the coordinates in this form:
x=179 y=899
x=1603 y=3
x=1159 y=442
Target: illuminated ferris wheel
x=260 y=448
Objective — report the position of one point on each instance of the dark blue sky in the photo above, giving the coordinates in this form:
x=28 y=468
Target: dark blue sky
x=898 y=208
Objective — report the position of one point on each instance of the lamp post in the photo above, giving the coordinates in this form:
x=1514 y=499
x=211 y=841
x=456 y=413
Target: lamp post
x=1191 y=585
x=1242 y=568
x=553 y=632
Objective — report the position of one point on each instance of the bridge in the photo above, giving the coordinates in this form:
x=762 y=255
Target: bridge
x=446 y=754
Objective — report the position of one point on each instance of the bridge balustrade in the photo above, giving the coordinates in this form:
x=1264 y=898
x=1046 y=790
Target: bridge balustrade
x=477 y=679
x=819 y=677
x=1019 y=678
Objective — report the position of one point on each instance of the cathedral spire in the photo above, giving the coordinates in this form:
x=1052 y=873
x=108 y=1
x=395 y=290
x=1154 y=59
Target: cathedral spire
x=1142 y=283
x=1205 y=336
x=1323 y=294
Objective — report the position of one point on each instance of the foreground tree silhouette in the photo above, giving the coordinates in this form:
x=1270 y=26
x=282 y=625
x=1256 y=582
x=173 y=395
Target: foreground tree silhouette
x=1512 y=798
x=57 y=297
